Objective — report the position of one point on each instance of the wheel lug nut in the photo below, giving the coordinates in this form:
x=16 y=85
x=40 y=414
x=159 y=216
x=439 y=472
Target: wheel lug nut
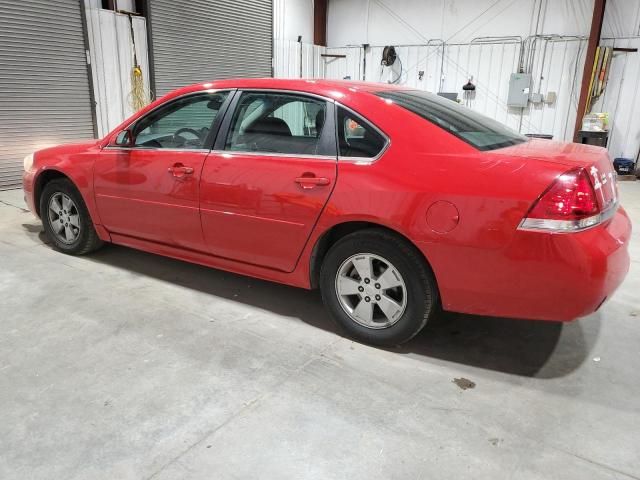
x=367 y=299
x=361 y=289
x=366 y=280
x=377 y=285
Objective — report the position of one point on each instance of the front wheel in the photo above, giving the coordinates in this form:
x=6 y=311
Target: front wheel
x=66 y=220
x=377 y=287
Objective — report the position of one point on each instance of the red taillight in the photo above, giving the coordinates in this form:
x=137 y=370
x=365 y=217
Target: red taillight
x=571 y=197
x=569 y=204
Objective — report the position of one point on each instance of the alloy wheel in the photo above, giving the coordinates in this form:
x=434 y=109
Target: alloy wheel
x=64 y=218
x=371 y=290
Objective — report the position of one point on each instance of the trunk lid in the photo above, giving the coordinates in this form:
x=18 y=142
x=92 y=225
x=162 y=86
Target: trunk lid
x=595 y=160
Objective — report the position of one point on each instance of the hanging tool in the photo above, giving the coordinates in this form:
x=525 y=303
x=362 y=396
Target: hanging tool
x=139 y=97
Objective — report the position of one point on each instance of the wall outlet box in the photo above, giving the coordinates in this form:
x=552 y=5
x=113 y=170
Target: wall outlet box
x=519 y=87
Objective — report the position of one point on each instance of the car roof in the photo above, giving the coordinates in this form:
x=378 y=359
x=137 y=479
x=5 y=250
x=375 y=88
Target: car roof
x=328 y=88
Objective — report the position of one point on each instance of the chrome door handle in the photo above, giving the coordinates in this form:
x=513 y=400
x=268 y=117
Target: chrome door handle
x=311 y=182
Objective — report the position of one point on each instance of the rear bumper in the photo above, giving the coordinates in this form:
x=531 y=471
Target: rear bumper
x=542 y=276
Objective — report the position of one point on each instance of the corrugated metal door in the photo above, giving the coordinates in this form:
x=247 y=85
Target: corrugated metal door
x=204 y=40
x=44 y=85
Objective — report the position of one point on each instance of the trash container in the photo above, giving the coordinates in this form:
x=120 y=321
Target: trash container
x=624 y=166
x=599 y=139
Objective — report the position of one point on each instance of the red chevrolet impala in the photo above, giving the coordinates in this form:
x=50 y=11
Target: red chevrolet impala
x=392 y=201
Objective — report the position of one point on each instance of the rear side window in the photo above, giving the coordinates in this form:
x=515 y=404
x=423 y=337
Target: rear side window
x=475 y=129
x=356 y=138
x=277 y=123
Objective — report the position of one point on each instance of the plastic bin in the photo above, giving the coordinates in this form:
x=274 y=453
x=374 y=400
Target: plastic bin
x=624 y=166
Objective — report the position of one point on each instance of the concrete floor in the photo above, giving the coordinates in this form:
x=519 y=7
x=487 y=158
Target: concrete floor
x=125 y=365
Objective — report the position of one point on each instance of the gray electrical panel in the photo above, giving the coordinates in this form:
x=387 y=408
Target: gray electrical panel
x=519 y=86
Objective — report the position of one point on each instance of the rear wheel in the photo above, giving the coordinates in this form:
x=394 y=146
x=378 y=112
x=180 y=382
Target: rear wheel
x=66 y=220
x=377 y=287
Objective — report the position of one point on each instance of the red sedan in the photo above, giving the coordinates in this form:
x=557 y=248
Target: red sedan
x=392 y=201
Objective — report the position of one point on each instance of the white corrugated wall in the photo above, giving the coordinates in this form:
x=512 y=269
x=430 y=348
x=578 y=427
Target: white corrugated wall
x=287 y=59
x=489 y=65
x=557 y=67
x=111 y=50
x=621 y=100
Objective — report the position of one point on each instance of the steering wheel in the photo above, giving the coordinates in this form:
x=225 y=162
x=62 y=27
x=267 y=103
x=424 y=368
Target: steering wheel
x=187 y=130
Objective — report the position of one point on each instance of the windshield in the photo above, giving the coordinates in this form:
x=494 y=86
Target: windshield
x=477 y=130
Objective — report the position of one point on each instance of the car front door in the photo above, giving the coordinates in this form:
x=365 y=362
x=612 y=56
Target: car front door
x=149 y=189
x=268 y=178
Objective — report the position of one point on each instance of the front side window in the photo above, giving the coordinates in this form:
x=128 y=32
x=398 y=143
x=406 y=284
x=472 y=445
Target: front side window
x=475 y=129
x=356 y=138
x=183 y=124
x=277 y=123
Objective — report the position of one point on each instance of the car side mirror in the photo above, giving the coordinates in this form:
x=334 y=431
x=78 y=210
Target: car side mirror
x=124 y=139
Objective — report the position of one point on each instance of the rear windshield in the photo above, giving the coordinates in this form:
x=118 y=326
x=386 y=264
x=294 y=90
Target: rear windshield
x=477 y=130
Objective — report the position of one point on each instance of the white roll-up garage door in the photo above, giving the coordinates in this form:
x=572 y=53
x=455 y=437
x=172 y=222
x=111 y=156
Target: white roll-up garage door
x=202 y=40
x=44 y=85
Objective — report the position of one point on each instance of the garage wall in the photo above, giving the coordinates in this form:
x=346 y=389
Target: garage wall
x=287 y=58
x=200 y=40
x=621 y=19
x=292 y=18
x=621 y=100
x=384 y=22
x=557 y=67
x=44 y=84
x=622 y=27
x=454 y=41
x=418 y=28
x=111 y=49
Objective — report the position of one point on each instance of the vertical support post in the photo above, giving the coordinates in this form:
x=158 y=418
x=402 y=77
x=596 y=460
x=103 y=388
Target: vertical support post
x=365 y=48
x=92 y=95
x=146 y=13
x=301 y=53
x=320 y=22
x=594 y=40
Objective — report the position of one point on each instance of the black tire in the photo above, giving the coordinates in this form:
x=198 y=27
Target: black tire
x=87 y=239
x=421 y=289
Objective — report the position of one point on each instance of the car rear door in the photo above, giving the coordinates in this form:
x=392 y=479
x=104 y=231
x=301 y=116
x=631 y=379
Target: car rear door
x=150 y=189
x=268 y=178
